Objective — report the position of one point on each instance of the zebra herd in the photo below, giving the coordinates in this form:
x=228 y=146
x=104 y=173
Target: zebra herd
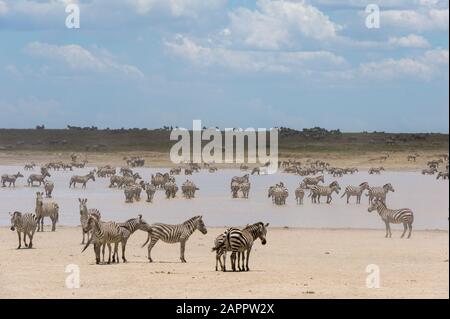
x=237 y=241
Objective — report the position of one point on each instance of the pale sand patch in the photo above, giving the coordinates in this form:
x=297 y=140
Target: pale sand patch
x=296 y=263
x=362 y=160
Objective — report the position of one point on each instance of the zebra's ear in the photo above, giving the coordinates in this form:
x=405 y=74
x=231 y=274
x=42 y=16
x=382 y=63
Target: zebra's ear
x=79 y=199
x=140 y=217
x=267 y=225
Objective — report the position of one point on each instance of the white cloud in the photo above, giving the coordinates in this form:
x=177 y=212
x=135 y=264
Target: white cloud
x=177 y=8
x=276 y=23
x=409 y=41
x=3 y=8
x=253 y=61
x=432 y=19
x=79 y=58
x=425 y=67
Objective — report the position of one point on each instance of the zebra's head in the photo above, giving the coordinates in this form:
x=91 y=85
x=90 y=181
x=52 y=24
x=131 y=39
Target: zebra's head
x=321 y=179
x=19 y=175
x=388 y=187
x=364 y=185
x=200 y=225
x=83 y=206
x=376 y=205
x=91 y=175
x=262 y=228
x=15 y=220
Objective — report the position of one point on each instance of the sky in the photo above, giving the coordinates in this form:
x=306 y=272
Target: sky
x=228 y=63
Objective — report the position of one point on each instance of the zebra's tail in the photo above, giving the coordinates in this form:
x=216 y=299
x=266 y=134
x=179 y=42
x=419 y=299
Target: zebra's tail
x=149 y=231
x=344 y=194
x=56 y=212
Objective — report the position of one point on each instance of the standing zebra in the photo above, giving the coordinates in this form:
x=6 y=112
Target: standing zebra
x=81 y=180
x=355 y=191
x=84 y=216
x=48 y=187
x=403 y=216
x=379 y=192
x=126 y=230
x=317 y=191
x=221 y=249
x=241 y=241
x=174 y=234
x=48 y=209
x=300 y=193
x=103 y=233
x=11 y=179
x=38 y=178
x=26 y=224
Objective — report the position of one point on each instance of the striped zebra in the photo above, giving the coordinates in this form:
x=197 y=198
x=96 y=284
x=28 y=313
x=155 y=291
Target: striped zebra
x=26 y=224
x=311 y=181
x=103 y=234
x=403 y=216
x=47 y=209
x=11 y=179
x=317 y=191
x=355 y=191
x=84 y=216
x=429 y=171
x=38 y=178
x=126 y=230
x=379 y=192
x=241 y=241
x=48 y=187
x=81 y=180
x=443 y=175
x=221 y=249
x=300 y=193
x=174 y=234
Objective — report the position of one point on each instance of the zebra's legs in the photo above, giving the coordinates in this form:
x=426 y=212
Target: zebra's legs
x=224 y=268
x=242 y=267
x=25 y=239
x=405 y=228
x=31 y=235
x=248 y=257
x=53 y=224
x=124 y=246
x=103 y=252
x=410 y=231
x=84 y=234
x=20 y=239
x=348 y=198
x=387 y=230
x=233 y=261
x=150 y=246
x=109 y=252
x=182 y=248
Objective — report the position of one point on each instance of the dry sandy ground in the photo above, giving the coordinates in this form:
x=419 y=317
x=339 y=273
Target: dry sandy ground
x=296 y=263
x=397 y=160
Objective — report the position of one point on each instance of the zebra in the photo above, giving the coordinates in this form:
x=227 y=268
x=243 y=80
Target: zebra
x=300 y=193
x=429 y=171
x=379 y=192
x=317 y=191
x=149 y=189
x=355 y=191
x=412 y=157
x=11 y=179
x=403 y=216
x=159 y=180
x=174 y=234
x=175 y=171
x=221 y=249
x=115 y=180
x=376 y=170
x=245 y=189
x=126 y=230
x=48 y=187
x=241 y=241
x=132 y=193
x=170 y=189
x=38 y=178
x=29 y=167
x=279 y=193
x=84 y=215
x=188 y=189
x=310 y=181
x=103 y=234
x=26 y=224
x=443 y=175
x=48 y=209
x=81 y=180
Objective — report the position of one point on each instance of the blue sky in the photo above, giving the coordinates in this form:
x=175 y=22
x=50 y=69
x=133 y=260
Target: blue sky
x=230 y=63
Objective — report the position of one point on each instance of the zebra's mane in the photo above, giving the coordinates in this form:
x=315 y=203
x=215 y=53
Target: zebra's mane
x=363 y=184
x=192 y=220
